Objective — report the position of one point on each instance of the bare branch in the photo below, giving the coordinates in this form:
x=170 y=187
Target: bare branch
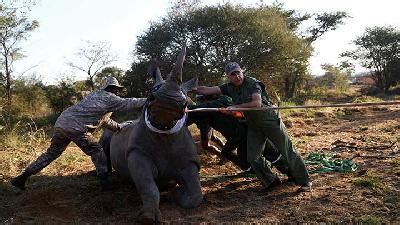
x=92 y=58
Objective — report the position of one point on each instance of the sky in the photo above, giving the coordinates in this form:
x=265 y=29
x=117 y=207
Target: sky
x=65 y=25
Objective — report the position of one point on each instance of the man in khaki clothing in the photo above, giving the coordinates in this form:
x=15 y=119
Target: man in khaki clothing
x=76 y=124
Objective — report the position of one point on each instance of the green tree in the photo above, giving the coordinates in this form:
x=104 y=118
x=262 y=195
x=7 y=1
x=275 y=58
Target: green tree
x=323 y=23
x=378 y=49
x=15 y=26
x=335 y=77
x=393 y=68
x=61 y=96
x=136 y=80
x=262 y=39
x=92 y=58
x=30 y=98
x=84 y=86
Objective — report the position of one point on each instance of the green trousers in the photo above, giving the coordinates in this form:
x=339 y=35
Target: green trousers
x=276 y=132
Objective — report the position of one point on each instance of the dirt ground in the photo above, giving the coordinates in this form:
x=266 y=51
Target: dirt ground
x=68 y=193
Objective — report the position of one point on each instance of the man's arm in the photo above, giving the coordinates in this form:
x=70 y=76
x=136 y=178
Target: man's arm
x=203 y=90
x=256 y=102
x=116 y=103
x=110 y=124
x=136 y=102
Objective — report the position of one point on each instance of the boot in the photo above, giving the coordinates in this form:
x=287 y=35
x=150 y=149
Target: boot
x=305 y=187
x=19 y=181
x=249 y=171
x=105 y=184
x=276 y=183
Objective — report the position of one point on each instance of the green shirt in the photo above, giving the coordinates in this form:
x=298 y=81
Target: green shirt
x=243 y=94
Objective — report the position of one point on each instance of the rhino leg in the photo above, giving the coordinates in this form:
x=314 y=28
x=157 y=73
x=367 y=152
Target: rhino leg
x=142 y=171
x=188 y=194
x=105 y=141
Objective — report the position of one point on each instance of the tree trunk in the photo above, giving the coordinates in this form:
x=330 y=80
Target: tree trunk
x=380 y=81
x=290 y=87
x=8 y=91
x=8 y=83
x=90 y=83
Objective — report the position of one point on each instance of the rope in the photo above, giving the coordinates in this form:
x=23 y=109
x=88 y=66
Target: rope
x=325 y=162
x=296 y=107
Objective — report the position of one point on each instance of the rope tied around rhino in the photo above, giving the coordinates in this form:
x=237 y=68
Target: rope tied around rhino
x=297 y=107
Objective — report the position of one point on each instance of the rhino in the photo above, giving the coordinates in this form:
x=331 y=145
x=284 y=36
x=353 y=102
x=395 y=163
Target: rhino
x=157 y=149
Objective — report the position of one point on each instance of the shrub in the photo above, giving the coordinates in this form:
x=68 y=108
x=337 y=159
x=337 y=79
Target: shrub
x=371 y=181
x=366 y=99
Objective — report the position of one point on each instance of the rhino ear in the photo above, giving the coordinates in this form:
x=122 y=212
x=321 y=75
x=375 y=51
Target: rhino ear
x=154 y=71
x=176 y=73
x=190 y=84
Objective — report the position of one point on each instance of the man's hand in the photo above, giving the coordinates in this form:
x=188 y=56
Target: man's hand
x=236 y=114
x=90 y=128
x=193 y=90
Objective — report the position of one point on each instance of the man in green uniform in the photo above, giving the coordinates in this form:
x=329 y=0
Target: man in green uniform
x=263 y=126
x=234 y=130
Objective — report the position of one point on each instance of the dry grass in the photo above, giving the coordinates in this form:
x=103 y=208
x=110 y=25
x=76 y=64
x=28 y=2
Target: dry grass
x=67 y=191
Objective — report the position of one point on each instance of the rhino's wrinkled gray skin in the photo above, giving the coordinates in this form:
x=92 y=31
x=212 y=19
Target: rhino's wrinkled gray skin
x=161 y=150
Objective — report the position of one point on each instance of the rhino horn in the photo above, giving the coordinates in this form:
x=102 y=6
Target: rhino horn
x=190 y=84
x=176 y=73
x=159 y=78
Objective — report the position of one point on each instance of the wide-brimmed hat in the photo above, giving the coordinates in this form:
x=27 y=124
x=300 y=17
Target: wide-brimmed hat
x=111 y=81
x=232 y=67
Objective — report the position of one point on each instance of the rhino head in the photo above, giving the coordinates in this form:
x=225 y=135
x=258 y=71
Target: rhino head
x=168 y=98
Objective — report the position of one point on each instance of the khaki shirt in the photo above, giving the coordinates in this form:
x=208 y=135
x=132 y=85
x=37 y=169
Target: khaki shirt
x=92 y=108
